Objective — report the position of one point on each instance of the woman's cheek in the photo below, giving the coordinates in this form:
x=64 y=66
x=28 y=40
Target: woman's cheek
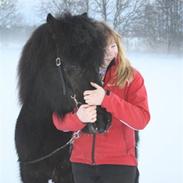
x=116 y=52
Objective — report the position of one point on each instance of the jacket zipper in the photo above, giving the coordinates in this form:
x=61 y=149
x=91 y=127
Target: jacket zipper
x=93 y=149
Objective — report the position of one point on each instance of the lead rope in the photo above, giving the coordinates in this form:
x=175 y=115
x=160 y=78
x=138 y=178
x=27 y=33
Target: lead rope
x=74 y=136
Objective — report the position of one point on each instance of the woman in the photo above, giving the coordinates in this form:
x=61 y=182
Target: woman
x=110 y=158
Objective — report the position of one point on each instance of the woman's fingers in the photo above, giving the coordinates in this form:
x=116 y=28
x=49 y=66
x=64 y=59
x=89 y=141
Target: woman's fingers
x=88 y=100
x=87 y=113
x=87 y=92
x=92 y=113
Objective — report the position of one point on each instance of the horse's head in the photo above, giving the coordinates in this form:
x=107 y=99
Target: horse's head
x=78 y=45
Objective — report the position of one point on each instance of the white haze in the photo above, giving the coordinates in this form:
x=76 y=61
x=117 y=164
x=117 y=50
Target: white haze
x=161 y=144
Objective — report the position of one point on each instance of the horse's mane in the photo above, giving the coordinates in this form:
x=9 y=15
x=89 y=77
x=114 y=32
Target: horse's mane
x=78 y=39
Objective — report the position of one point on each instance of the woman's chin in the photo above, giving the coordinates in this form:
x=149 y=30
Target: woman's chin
x=107 y=61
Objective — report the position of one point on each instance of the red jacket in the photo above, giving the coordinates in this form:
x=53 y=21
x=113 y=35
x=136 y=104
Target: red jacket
x=130 y=112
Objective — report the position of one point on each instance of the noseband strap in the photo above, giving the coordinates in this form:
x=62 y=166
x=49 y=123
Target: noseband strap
x=59 y=64
x=59 y=59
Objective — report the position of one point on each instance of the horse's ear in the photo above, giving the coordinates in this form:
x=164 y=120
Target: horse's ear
x=50 y=18
x=85 y=14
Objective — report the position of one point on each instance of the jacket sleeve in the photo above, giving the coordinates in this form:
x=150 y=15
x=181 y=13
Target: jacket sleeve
x=132 y=111
x=70 y=122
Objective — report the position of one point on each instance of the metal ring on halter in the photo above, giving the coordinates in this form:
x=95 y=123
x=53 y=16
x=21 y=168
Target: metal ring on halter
x=76 y=135
x=58 y=61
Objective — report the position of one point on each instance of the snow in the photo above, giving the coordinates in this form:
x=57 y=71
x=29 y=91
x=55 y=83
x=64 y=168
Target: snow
x=161 y=145
x=9 y=110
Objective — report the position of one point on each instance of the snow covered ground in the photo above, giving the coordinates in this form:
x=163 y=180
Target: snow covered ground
x=161 y=145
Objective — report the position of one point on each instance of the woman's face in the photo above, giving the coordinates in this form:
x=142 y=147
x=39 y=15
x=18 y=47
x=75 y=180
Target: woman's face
x=110 y=53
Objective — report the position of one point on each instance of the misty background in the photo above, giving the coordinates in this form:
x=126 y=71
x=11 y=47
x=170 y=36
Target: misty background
x=150 y=25
x=152 y=34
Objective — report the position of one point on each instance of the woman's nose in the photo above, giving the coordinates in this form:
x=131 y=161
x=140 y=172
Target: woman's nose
x=107 y=51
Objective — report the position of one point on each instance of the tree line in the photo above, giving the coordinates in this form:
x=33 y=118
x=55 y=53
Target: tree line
x=159 y=23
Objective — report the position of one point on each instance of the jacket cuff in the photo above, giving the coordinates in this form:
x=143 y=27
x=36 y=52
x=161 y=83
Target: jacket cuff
x=77 y=121
x=70 y=122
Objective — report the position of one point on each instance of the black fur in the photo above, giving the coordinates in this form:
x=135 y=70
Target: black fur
x=81 y=46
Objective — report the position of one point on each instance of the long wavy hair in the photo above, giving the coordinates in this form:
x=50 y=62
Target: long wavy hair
x=124 y=70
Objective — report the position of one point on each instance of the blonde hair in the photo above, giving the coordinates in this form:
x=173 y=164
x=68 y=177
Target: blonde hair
x=124 y=71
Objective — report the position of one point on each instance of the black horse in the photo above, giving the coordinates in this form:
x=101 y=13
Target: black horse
x=57 y=64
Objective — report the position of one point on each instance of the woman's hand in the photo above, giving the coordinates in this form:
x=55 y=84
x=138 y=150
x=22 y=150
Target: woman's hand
x=94 y=97
x=87 y=113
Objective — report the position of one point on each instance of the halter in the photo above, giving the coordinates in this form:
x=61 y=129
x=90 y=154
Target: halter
x=59 y=62
x=61 y=70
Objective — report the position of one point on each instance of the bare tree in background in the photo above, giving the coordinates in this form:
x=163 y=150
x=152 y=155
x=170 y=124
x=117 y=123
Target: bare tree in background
x=59 y=6
x=171 y=27
x=102 y=9
x=127 y=14
x=7 y=13
x=122 y=14
x=163 y=24
x=147 y=26
x=157 y=22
